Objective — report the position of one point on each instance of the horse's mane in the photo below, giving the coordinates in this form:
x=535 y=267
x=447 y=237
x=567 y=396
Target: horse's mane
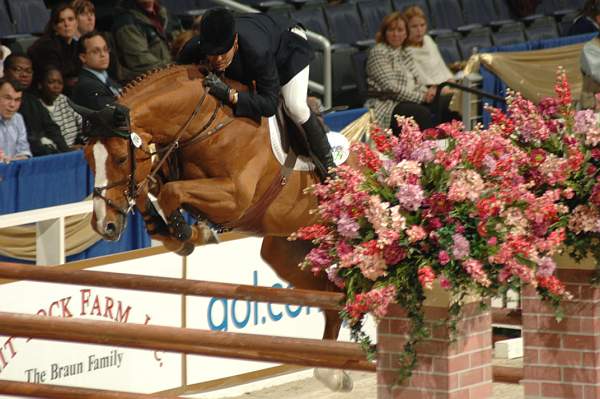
x=152 y=77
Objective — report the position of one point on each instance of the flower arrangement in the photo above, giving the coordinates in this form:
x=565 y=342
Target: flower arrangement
x=482 y=213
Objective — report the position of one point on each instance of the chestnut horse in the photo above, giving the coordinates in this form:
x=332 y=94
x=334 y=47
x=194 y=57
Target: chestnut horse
x=226 y=165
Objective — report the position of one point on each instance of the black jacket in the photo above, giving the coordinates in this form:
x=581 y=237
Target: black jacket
x=54 y=50
x=91 y=92
x=39 y=124
x=268 y=55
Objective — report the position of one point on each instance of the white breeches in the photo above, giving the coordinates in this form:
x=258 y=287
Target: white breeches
x=295 y=91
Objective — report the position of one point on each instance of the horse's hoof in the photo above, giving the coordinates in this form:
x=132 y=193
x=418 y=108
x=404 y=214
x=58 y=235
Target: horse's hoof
x=178 y=227
x=186 y=249
x=335 y=380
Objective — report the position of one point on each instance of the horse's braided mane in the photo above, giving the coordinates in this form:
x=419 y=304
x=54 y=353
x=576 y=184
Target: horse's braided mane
x=149 y=78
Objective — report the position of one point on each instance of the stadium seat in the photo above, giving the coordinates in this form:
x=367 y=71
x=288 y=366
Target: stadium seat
x=400 y=5
x=359 y=62
x=447 y=14
x=20 y=43
x=372 y=13
x=542 y=28
x=479 y=11
x=344 y=23
x=510 y=33
x=476 y=39
x=6 y=25
x=448 y=46
x=29 y=16
x=312 y=19
x=503 y=12
x=566 y=22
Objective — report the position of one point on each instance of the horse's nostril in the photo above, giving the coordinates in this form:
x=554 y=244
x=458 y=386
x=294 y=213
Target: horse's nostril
x=110 y=228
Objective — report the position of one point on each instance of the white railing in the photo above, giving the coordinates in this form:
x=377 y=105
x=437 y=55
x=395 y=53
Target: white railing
x=49 y=229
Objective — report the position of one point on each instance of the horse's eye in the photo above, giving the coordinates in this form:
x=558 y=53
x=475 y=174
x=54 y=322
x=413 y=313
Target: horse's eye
x=121 y=160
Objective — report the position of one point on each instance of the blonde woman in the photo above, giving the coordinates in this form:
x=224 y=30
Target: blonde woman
x=420 y=45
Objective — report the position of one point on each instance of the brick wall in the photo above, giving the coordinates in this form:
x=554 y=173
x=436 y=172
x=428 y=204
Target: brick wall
x=562 y=360
x=446 y=370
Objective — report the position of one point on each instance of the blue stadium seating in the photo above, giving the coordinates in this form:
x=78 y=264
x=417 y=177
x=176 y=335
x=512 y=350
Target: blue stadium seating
x=448 y=46
x=474 y=40
x=344 y=23
x=29 y=16
x=400 y=5
x=510 y=33
x=479 y=11
x=542 y=28
x=447 y=14
x=372 y=13
x=6 y=25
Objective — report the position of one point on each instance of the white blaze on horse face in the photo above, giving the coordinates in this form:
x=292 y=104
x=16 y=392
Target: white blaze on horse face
x=100 y=180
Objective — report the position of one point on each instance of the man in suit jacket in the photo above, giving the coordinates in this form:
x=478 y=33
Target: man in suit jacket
x=94 y=89
x=275 y=56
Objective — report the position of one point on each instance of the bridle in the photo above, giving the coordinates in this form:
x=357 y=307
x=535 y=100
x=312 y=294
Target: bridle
x=134 y=188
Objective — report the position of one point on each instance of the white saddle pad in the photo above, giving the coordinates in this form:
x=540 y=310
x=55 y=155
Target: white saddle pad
x=340 y=148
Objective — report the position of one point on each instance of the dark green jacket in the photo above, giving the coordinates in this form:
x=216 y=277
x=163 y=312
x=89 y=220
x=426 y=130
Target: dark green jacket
x=140 y=46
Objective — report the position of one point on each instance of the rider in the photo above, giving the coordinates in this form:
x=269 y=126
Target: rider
x=254 y=48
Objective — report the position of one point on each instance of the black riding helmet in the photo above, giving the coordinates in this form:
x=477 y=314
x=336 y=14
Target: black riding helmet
x=217 y=31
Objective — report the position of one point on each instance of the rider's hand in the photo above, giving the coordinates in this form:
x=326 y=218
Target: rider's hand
x=217 y=87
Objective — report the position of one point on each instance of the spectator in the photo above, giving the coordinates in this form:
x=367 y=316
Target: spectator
x=42 y=132
x=420 y=45
x=588 y=20
x=57 y=47
x=86 y=16
x=590 y=71
x=393 y=78
x=13 y=135
x=4 y=52
x=523 y=8
x=69 y=121
x=95 y=88
x=142 y=34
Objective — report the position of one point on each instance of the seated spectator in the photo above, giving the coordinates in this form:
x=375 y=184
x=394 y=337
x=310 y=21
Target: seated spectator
x=142 y=35
x=13 y=135
x=394 y=82
x=588 y=20
x=523 y=8
x=69 y=121
x=425 y=52
x=4 y=52
x=590 y=71
x=43 y=133
x=57 y=47
x=95 y=88
x=85 y=13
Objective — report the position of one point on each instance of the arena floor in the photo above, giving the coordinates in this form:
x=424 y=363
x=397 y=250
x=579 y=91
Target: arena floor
x=364 y=388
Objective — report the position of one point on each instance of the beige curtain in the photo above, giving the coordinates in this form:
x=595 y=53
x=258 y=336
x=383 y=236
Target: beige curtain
x=532 y=73
x=19 y=242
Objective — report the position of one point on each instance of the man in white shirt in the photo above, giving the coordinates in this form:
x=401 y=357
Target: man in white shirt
x=13 y=134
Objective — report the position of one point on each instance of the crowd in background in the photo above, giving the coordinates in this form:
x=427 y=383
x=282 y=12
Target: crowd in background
x=72 y=60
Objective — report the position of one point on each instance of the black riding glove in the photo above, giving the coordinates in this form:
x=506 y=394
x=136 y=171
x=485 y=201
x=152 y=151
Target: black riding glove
x=217 y=87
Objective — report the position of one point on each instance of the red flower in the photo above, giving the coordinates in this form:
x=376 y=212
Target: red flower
x=537 y=156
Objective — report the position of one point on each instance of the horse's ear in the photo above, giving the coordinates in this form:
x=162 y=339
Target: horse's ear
x=81 y=110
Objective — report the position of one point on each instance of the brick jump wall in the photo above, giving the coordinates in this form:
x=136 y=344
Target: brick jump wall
x=446 y=370
x=562 y=360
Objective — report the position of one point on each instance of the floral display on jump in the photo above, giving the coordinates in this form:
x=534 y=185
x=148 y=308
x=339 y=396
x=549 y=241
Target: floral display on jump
x=472 y=212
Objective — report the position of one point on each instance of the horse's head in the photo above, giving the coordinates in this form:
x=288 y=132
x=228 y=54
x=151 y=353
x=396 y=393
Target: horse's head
x=121 y=162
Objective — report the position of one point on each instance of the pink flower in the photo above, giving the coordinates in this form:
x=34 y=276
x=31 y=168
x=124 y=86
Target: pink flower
x=443 y=257
x=348 y=227
x=546 y=267
x=393 y=253
x=445 y=283
x=492 y=241
x=426 y=277
x=416 y=233
x=461 y=247
x=475 y=270
x=319 y=260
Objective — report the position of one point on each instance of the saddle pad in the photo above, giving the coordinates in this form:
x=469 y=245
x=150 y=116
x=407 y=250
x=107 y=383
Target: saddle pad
x=340 y=148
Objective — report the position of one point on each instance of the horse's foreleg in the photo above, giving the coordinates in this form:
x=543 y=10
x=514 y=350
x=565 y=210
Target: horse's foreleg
x=217 y=198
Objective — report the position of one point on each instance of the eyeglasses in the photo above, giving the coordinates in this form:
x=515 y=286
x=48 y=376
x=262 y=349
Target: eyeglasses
x=97 y=51
x=19 y=70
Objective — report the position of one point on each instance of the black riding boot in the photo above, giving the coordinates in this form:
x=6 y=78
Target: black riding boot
x=318 y=146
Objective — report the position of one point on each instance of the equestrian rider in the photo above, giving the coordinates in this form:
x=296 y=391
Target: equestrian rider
x=273 y=57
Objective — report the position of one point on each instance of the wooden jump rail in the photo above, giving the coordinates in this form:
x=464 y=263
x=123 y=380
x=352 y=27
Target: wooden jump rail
x=61 y=392
x=168 y=285
x=299 y=351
